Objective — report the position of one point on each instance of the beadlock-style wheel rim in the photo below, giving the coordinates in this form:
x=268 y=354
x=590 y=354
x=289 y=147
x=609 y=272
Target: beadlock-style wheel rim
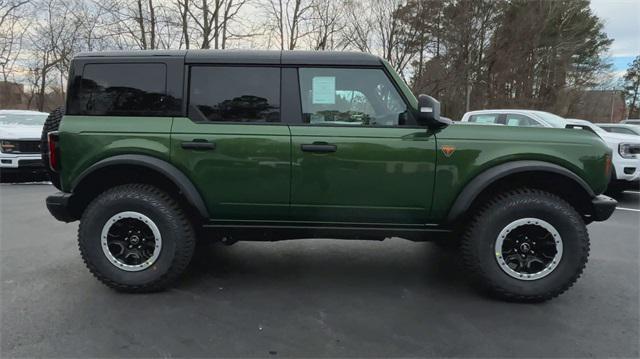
x=528 y=249
x=131 y=241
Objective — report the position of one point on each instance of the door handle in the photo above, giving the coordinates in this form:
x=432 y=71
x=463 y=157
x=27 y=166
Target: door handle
x=319 y=147
x=198 y=144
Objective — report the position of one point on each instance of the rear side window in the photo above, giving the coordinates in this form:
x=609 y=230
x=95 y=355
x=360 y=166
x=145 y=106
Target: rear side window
x=484 y=118
x=234 y=94
x=514 y=119
x=134 y=89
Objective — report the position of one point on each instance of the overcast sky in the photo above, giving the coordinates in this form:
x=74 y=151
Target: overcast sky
x=622 y=23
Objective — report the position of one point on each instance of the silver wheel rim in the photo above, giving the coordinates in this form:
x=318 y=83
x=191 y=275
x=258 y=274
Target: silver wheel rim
x=505 y=258
x=110 y=245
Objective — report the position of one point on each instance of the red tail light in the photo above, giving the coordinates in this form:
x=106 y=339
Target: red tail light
x=54 y=155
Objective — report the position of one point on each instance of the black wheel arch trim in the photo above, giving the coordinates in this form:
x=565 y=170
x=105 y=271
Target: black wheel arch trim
x=183 y=183
x=489 y=176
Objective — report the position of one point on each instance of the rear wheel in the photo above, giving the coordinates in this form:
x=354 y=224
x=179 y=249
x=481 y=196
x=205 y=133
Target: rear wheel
x=526 y=245
x=136 y=238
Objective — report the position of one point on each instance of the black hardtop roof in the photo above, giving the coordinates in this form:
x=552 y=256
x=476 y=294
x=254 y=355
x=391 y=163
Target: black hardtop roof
x=248 y=56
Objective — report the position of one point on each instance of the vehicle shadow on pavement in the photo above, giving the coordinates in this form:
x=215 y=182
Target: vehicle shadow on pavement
x=328 y=264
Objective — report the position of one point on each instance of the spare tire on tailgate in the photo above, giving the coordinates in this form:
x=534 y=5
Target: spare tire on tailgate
x=51 y=124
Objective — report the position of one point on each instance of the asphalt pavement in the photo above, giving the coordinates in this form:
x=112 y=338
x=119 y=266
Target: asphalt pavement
x=305 y=298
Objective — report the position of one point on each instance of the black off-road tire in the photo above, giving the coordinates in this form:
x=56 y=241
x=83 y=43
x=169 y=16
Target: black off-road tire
x=176 y=230
x=52 y=123
x=479 y=240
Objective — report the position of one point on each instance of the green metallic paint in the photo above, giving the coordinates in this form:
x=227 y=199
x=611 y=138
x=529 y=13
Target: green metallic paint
x=377 y=175
x=246 y=177
x=85 y=140
x=478 y=148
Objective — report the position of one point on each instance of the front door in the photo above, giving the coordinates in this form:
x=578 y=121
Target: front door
x=233 y=146
x=355 y=156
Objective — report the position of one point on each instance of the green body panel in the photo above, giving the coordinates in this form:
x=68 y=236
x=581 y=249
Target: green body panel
x=85 y=140
x=377 y=175
x=480 y=147
x=246 y=177
x=381 y=175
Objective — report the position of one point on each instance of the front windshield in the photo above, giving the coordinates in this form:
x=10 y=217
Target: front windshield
x=553 y=120
x=23 y=119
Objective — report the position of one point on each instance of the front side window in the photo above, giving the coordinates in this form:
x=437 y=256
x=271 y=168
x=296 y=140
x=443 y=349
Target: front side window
x=235 y=94
x=133 y=89
x=360 y=97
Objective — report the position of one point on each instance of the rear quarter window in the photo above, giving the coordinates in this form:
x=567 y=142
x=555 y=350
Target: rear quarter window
x=484 y=118
x=124 y=89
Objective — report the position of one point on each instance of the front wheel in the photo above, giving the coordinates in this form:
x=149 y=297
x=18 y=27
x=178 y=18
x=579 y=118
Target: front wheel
x=526 y=245
x=135 y=238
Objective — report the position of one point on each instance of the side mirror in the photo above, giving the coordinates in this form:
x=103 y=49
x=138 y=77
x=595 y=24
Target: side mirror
x=429 y=113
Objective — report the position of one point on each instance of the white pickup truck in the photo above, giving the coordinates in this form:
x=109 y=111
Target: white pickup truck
x=20 y=132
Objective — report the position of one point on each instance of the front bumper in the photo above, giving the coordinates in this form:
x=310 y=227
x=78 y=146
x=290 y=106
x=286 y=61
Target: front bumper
x=18 y=164
x=603 y=207
x=627 y=169
x=60 y=206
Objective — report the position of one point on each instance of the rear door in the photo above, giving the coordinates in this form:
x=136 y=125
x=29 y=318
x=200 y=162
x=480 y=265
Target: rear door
x=357 y=155
x=233 y=144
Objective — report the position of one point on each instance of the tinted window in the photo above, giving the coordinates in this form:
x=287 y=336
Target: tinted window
x=363 y=97
x=513 y=119
x=484 y=118
x=238 y=94
x=123 y=90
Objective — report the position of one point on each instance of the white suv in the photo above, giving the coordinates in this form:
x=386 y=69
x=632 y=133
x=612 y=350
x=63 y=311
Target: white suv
x=626 y=155
x=625 y=148
x=20 y=133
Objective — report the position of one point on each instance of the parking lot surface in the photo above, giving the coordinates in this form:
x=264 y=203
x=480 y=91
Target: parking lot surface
x=310 y=298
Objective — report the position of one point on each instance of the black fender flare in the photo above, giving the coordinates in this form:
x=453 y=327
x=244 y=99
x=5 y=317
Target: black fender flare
x=489 y=176
x=165 y=168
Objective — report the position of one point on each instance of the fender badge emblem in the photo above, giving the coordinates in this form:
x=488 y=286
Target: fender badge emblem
x=448 y=150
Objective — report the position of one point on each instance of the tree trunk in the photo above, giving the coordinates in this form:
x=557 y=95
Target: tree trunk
x=43 y=85
x=206 y=31
x=281 y=25
x=294 y=26
x=152 y=25
x=143 y=34
x=225 y=23
x=185 y=25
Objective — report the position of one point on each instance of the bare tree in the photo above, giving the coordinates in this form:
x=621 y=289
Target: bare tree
x=208 y=22
x=54 y=40
x=12 y=31
x=132 y=23
x=358 y=27
x=288 y=21
x=326 y=22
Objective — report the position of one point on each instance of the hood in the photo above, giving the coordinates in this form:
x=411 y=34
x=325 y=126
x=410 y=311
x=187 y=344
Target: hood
x=20 y=132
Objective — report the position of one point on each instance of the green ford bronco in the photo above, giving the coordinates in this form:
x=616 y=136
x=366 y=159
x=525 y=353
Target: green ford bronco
x=155 y=150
